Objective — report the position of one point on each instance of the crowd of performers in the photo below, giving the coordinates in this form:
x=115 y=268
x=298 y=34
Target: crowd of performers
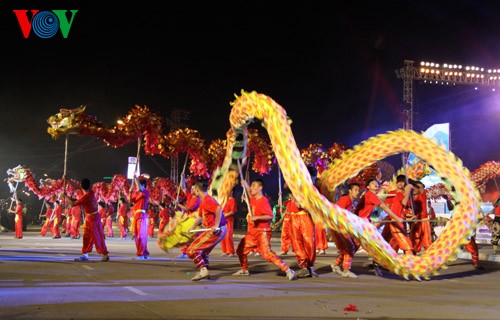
x=404 y=217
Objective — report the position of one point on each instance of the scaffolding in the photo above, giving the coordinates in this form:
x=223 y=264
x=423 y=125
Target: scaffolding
x=441 y=74
x=175 y=121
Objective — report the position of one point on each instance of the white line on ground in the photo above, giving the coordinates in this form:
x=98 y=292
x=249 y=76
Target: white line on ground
x=136 y=291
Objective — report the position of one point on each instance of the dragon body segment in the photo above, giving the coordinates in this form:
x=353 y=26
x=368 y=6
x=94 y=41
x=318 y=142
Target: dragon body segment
x=252 y=105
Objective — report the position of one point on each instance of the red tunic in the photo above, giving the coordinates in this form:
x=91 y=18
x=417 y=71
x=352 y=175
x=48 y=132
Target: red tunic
x=261 y=207
x=366 y=205
x=88 y=202
x=208 y=208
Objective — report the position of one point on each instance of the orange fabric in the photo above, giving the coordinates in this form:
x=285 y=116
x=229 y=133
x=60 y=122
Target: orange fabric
x=345 y=244
x=321 y=238
x=286 y=233
x=227 y=243
x=303 y=238
x=19 y=221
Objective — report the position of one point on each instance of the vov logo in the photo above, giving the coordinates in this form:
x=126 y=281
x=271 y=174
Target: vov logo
x=45 y=24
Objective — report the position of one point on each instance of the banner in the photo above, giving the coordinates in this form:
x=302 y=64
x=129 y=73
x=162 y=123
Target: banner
x=440 y=133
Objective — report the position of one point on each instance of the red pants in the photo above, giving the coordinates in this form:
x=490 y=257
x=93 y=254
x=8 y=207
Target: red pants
x=472 y=248
x=141 y=234
x=258 y=239
x=396 y=236
x=421 y=235
x=151 y=227
x=321 y=239
x=123 y=224
x=109 y=226
x=75 y=227
x=161 y=227
x=47 y=225
x=93 y=234
x=56 y=232
x=303 y=238
x=201 y=247
x=286 y=236
x=227 y=243
x=67 y=225
x=19 y=226
x=346 y=247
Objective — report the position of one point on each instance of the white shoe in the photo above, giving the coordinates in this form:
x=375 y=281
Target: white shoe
x=203 y=274
x=241 y=273
x=290 y=275
x=349 y=274
x=336 y=269
x=82 y=258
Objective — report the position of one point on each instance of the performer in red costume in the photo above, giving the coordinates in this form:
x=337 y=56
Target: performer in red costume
x=210 y=215
x=109 y=219
x=101 y=210
x=164 y=217
x=93 y=233
x=76 y=213
x=140 y=200
x=346 y=246
x=49 y=221
x=259 y=235
x=395 y=232
x=471 y=246
x=18 y=220
x=151 y=221
x=284 y=223
x=227 y=243
x=303 y=235
x=367 y=203
x=190 y=209
x=421 y=231
x=123 y=217
x=57 y=216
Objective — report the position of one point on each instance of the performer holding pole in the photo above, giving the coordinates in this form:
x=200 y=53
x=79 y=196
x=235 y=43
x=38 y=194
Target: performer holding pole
x=211 y=216
x=93 y=232
x=18 y=220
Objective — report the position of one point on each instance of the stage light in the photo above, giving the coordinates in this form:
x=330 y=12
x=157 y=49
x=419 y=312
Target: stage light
x=446 y=73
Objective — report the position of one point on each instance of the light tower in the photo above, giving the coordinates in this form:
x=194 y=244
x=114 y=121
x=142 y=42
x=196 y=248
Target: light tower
x=443 y=74
x=175 y=122
x=407 y=73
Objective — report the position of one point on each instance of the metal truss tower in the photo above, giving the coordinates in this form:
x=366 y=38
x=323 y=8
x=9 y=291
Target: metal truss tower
x=443 y=74
x=407 y=74
x=175 y=122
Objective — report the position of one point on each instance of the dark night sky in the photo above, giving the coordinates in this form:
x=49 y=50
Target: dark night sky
x=329 y=64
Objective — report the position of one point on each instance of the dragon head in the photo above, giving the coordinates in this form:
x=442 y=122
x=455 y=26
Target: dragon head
x=65 y=121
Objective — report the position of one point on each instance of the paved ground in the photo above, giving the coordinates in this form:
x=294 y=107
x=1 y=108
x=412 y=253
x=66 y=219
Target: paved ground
x=40 y=280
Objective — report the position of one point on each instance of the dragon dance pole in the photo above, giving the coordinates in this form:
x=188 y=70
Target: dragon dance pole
x=41 y=209
x=12 y=199
x=138 y=156
x=280 y=194
x=182 y=177
x=64 y=170
x=245 y=191
x=135 y=168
